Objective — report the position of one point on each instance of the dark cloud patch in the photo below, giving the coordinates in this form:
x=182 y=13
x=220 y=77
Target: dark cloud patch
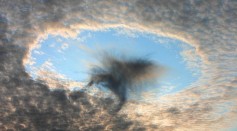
x=121 y=74
x=173 y=110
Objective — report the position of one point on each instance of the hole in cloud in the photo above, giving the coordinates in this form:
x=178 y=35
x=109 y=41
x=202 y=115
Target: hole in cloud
x=59 y=59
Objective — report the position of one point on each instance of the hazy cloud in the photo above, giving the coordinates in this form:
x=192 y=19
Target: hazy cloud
x=209 y=26
x=121 y=74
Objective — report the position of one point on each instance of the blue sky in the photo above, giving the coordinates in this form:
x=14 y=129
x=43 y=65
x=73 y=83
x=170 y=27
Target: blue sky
x=70 y=57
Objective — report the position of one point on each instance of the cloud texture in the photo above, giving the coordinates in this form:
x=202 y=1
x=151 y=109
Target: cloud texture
x=121 y=74
x=209 y=26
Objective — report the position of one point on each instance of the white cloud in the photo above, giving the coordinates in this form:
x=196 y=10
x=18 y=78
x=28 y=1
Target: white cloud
x=64 y=46
x=127 y=32
x=52 y=45
x=39 y=52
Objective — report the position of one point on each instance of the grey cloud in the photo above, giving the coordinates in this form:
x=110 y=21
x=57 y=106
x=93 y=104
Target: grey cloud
x=173 y=110
x=121 y=74
x=27 y=103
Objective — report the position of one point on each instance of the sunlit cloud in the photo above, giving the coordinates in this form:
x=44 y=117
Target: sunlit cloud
x=209 y=27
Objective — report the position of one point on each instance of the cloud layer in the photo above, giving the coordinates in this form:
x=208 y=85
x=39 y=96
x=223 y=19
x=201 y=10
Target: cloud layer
x=121 y=74
x=209 y=26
